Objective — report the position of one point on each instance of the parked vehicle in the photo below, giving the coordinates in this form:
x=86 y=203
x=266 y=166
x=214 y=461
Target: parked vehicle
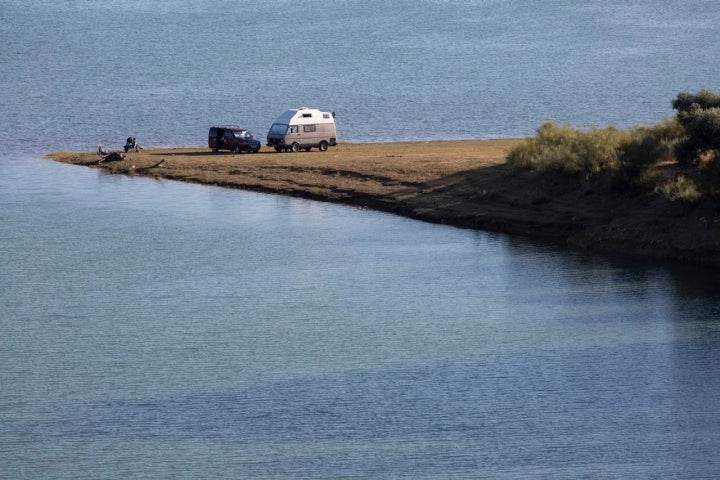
x=302 y=129
x=233 y=138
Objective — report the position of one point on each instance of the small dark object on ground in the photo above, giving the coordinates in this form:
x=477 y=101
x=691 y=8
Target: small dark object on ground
x=112 y=157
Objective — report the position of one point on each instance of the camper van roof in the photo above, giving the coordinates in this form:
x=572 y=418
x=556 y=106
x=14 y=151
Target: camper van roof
x=288 y=115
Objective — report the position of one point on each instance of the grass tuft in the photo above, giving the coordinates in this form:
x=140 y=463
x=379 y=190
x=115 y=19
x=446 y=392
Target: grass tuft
x=680 y=189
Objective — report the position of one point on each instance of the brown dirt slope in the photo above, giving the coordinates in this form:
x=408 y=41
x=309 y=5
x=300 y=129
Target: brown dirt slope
x=461 y=183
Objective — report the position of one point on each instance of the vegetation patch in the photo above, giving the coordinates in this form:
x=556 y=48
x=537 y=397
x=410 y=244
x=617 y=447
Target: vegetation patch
x=633 y=157
x=680 y=189
x=567 y=150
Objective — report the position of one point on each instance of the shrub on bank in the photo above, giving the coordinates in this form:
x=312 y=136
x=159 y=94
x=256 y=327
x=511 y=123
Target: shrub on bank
x=699 y=115
x=680 y=189
x=567 y=150
x=636 y=156
x=703 y=99
x=643 y=149
x=690 y=138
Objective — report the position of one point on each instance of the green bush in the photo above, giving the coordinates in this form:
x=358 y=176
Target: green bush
x=703 y=99
x=667 y=132
x=691 y=137
x=699 y=115
x=636 y=156
x=680 y=189
x=568 y=150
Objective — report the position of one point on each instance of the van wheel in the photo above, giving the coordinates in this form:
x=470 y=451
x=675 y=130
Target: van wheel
x=323 y=146
x=295 y=147
x=278 y=149
x=214 y=150
x=236 y=149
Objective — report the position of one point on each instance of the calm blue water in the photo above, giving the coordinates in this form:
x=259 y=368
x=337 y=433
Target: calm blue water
x=153 y=329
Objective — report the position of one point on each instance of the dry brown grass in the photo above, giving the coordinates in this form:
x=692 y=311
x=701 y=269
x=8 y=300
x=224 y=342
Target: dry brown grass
x=371 y=169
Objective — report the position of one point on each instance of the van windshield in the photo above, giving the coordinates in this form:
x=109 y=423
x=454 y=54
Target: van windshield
x=278 y=129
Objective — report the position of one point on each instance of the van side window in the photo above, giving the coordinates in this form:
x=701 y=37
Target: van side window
x=326 y=115
x=307 y=115
x=308 y=128
x=294 y=129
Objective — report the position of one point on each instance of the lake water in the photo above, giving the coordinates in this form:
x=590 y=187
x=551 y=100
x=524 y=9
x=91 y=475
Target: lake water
x=153 y=329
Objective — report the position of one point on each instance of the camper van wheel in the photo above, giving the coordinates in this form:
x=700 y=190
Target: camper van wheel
x=236 y=149
x=295 y=147
x=323 y=146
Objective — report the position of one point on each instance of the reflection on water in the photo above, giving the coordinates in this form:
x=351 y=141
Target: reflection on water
x=160 y=329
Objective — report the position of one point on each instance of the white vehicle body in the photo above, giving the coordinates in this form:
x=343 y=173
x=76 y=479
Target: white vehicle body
x=302 y=129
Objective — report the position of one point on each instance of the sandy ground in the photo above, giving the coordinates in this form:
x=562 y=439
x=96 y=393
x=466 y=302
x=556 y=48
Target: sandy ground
x=460 y=183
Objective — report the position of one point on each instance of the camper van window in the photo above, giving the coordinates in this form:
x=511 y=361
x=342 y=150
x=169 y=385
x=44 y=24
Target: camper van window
x=307 y=115
x=278 y=129
x=326 y=115
x=308 y=128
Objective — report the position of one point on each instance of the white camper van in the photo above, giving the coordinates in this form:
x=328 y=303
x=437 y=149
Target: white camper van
x=302 y=129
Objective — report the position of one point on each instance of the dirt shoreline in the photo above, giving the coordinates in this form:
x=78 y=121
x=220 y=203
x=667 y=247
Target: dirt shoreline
x=463 y=183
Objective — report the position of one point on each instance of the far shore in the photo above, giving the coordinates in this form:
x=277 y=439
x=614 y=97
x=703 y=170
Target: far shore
x=464 y=183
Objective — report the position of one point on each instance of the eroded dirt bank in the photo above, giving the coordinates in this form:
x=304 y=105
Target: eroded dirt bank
x=460 y=183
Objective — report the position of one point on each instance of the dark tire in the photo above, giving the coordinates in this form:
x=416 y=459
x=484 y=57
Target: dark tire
x=236 y=149
x=323 y=146
x=214 y=150
x=256 y=150
x=278 y=149
x=295 y=147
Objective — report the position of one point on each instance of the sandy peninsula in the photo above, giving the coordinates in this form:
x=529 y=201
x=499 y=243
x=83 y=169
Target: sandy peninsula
x=462 y=183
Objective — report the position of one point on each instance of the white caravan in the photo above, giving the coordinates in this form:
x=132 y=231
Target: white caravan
x=302 y=129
